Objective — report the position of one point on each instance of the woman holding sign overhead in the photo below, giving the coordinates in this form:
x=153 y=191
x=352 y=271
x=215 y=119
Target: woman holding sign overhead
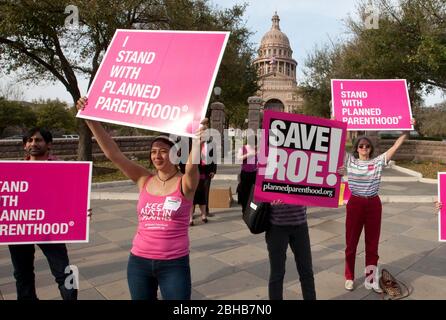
x=160 y=252
x=364 y=207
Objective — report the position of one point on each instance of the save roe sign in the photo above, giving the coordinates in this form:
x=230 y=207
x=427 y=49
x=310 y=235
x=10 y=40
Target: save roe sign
x=302 y=158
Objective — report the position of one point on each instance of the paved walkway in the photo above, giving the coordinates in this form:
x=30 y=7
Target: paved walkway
x=228 y=262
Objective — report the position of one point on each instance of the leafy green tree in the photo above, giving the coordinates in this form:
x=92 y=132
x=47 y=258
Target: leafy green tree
x=237 y=77
x=54 y=115
x=320 y=67
x=409 y=43
x=12 y=113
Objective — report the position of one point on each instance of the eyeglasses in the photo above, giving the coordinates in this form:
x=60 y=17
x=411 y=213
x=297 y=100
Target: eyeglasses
x=364 y=146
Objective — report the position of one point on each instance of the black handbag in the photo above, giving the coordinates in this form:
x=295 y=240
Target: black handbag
x=256 y=215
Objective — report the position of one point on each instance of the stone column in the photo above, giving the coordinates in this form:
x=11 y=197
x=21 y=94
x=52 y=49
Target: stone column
x=217 y=122
x=218 y=116
x=254 y=112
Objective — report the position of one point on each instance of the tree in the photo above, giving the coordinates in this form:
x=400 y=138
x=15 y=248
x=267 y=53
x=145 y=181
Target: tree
x=12 y=113
x=237 y=76
x=53 y=115
x=432 y=121
x=320 y=67
x=37 y=43
x=11 y=92
x=409 y=43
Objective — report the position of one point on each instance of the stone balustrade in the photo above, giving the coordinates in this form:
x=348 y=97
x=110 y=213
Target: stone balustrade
x=66 y=149
x=416 y=150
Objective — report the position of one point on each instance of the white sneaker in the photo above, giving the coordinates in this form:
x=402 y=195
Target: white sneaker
x=373 y=285
x=349 y=285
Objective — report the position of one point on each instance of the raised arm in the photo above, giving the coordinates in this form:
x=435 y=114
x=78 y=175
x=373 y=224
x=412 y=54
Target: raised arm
x=129 y=168
x=241 y=155
x=398 y=143
x=191 y=175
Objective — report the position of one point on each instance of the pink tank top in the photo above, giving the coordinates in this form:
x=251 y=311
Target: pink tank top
x=163 y=225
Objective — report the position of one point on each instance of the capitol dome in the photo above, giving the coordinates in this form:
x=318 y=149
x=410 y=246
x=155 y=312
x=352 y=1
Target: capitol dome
x=277 y=71
x=275 y=37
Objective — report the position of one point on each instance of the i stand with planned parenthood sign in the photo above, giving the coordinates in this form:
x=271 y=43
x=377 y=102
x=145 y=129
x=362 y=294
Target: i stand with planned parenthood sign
x=372 y=104
x=442 y=213
x=303 y=155
x=44 y=201
x=157 y=80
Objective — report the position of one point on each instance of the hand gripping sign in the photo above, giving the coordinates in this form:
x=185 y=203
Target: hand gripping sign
x=372 y=104
x=442 y=213
x=302 y=158
x=44 y=201
x=157 y=80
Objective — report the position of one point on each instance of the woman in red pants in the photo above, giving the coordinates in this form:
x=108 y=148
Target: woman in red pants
x=364 y=207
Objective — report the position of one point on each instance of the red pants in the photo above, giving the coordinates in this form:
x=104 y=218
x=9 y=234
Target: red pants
x=362 y=212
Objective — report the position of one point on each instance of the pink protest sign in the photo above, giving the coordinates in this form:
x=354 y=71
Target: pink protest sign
x=442 y=199
x=347 y=193
x=44 y=201
x=157 y=80
x=372 y=104
x=300 y=156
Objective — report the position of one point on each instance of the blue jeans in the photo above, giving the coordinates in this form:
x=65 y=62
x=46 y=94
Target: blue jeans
x=172 y=276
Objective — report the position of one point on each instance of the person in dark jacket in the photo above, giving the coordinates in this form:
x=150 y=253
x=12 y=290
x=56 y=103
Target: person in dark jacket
x=248 y=155
x=207 y=169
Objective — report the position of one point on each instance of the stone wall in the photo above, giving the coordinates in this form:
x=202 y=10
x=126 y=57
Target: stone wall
x=66 y=149
x=416 y=150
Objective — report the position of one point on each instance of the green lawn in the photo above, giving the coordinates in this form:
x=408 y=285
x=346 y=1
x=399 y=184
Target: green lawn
x=427 y=169
x=106 y=171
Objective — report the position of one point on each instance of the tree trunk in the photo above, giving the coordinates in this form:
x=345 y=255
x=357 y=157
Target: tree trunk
x=85 y=146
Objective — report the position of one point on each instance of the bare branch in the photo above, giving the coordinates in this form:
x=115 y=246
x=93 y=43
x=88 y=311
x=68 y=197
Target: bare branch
x=20 y=48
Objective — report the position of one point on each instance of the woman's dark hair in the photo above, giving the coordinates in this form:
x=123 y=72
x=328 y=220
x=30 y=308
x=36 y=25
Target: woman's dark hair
x=46 y=135
x=170 y=142
x=356 y=144
x=164 y=139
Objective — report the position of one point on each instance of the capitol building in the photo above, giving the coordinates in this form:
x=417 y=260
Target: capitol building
x=277 y=71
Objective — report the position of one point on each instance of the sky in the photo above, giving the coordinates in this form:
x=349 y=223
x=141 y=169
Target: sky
x=307 y=23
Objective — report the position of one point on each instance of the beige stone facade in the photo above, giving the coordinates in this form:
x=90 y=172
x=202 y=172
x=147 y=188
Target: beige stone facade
x=277 y=71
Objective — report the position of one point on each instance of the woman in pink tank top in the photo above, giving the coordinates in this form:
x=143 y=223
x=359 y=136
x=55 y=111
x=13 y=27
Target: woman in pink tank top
x=160 y=253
